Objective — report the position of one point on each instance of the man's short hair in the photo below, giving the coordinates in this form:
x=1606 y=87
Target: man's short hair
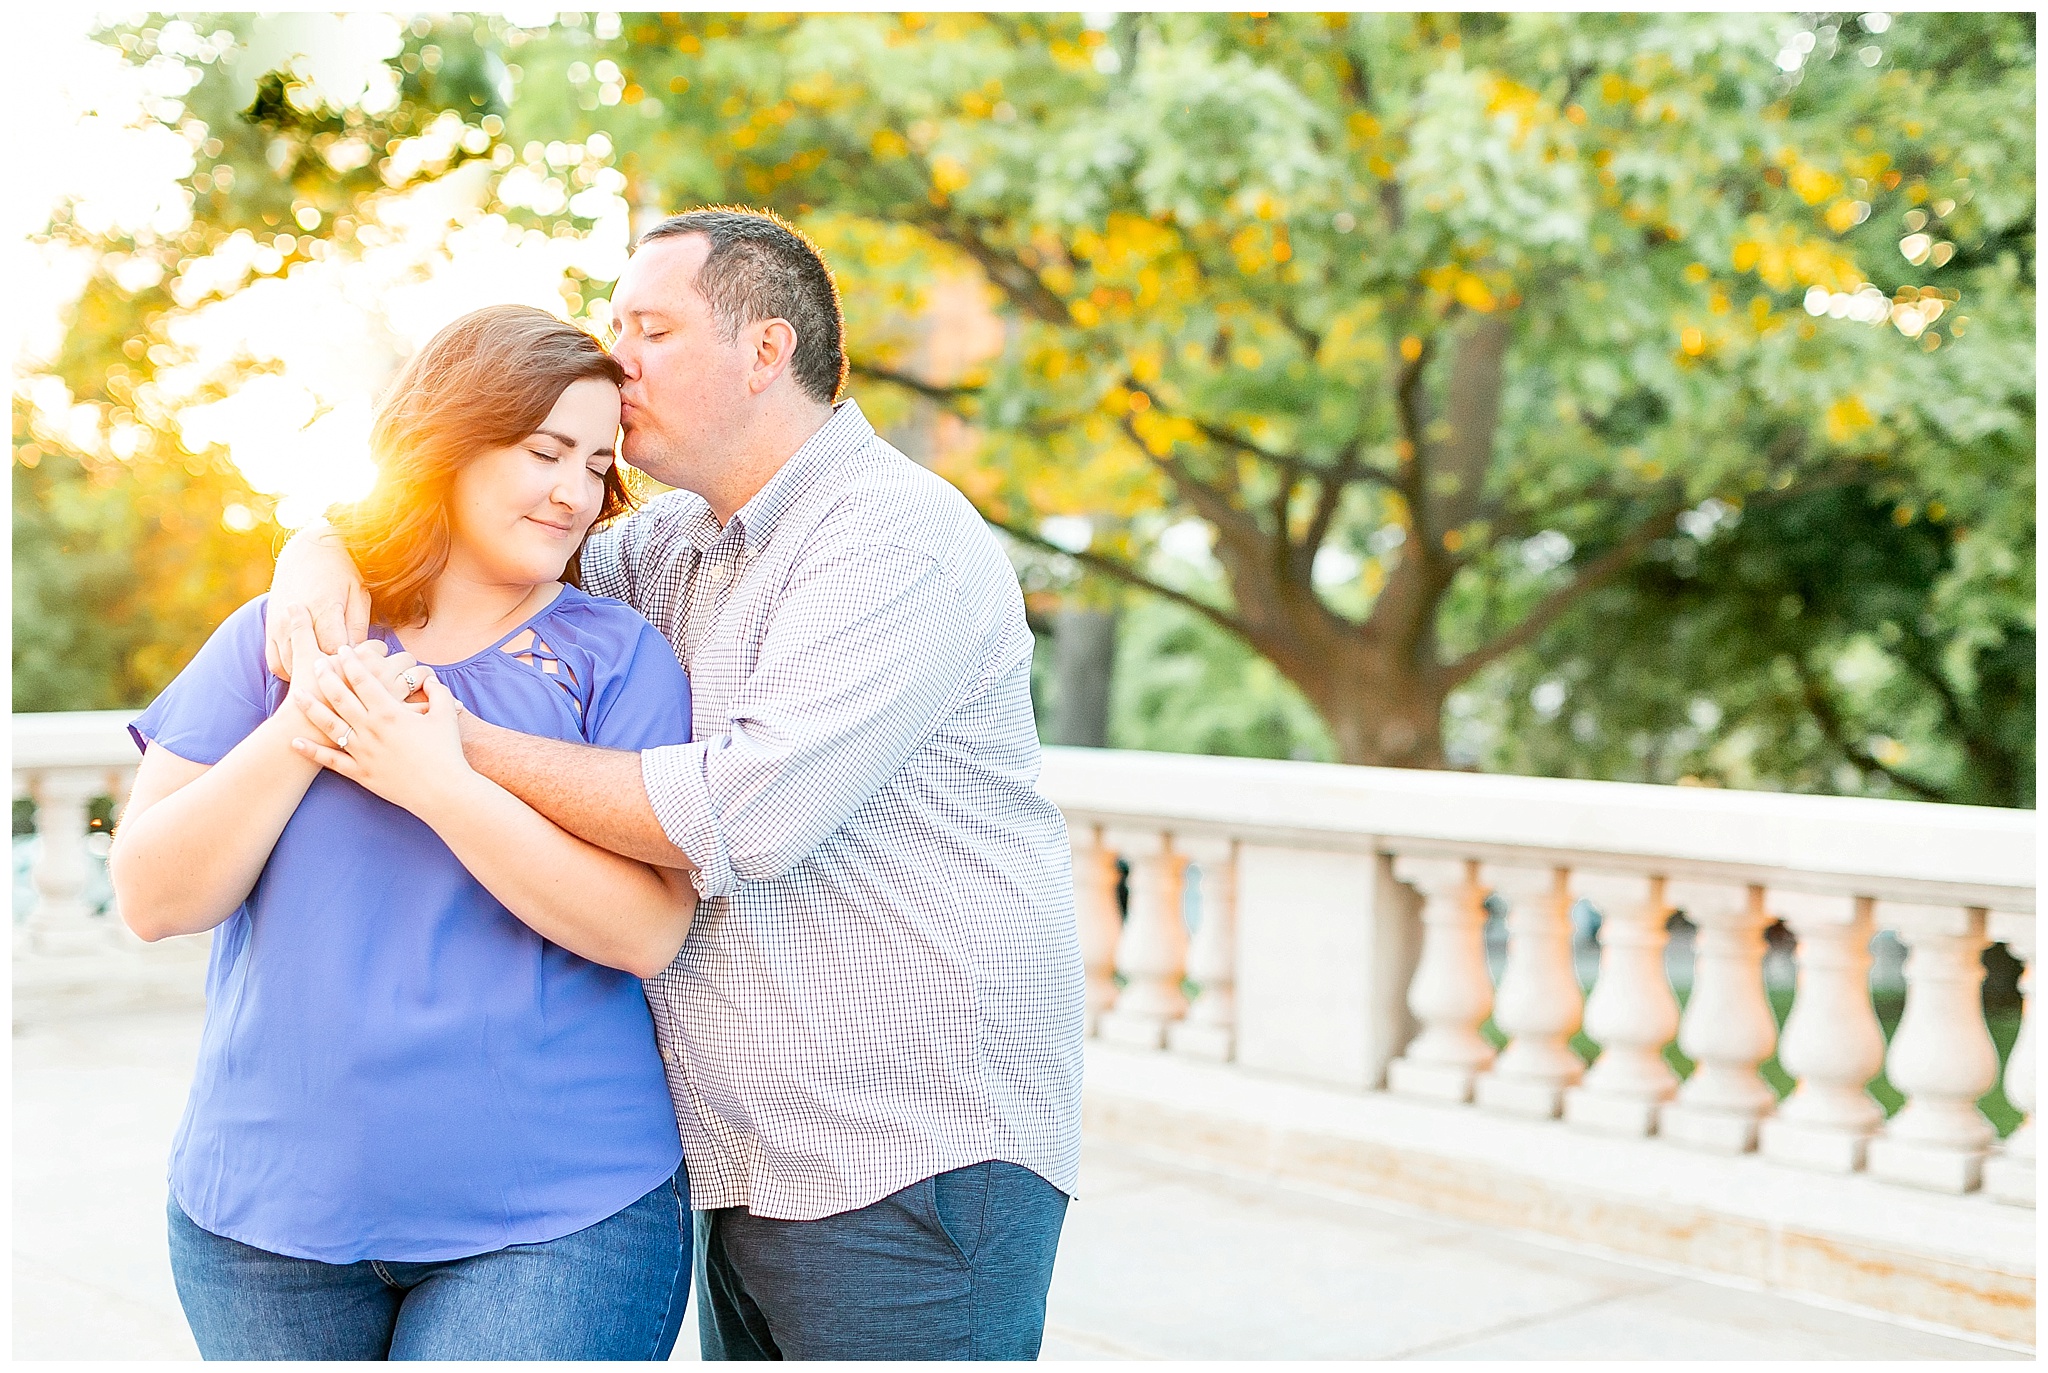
x=762 y=267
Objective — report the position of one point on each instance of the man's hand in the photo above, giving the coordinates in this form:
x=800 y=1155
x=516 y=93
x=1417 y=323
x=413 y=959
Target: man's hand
x=316 y=575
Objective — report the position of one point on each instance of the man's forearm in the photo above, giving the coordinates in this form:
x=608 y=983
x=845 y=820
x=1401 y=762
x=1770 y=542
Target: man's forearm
x=596 y=794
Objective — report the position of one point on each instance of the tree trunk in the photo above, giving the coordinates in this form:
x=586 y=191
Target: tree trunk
x=1083 y=652
x=1380 y=713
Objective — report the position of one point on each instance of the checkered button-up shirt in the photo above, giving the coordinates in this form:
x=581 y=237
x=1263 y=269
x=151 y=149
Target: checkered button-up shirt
x=883 y=980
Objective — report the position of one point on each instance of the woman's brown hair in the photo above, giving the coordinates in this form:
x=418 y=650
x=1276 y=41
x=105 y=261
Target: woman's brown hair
x=486 y=381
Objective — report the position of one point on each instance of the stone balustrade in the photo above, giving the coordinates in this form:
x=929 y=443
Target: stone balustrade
x=64 y=762
x=1339 y=935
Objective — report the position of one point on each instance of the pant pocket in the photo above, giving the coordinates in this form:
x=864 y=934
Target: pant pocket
x=960 y=1203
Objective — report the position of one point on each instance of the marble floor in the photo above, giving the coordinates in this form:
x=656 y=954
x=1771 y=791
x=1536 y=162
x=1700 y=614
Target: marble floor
x=1157 y=1262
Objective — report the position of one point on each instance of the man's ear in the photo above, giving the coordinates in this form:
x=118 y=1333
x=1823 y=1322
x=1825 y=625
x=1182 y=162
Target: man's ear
x=774 y=349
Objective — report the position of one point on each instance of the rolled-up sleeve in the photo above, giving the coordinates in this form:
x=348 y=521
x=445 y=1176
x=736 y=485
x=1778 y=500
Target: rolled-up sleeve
x=868 y=651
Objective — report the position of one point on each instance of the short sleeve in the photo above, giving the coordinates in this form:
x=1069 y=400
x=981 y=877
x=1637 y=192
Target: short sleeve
x=643 y=699
x=220 y=698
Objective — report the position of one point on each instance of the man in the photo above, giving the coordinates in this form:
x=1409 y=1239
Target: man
x=873 y=1033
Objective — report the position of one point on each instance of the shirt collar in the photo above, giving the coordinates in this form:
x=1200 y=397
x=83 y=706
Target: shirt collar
x=845 y=432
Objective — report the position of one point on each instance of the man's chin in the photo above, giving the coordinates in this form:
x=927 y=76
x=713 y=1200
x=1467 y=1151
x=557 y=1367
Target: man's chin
x=644 y=454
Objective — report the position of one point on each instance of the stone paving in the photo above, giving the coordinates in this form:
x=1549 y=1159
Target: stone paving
x=1157 y=1261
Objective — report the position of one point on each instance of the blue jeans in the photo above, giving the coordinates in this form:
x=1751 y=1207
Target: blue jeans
x=613 y=1290
x=953 y=1267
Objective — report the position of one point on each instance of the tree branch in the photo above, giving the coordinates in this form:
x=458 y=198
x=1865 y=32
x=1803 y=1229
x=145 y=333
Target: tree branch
x=1311 y=342
x=1551 y=607
x=1015 y=280
x=1408 y=410
x=1283 y=546
x=1327 y=500
x=1122 y=572
x=929 y=390
x=1297 y=468
x=1829 y=718
x=1211 y=504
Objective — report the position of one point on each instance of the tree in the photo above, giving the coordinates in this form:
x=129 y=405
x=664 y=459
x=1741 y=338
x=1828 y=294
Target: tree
x=1807 y=646
x=1445 y=331
x=122 y=569
x=129 y=547
x=1485 y=303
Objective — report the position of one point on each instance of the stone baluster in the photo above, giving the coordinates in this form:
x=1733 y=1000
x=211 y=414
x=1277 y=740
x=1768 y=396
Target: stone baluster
x=1728 y=1029
x=1152 y=955
x=1210 y=1027
x=1095 y=910
x=23 y=787
x=1631 y=1014
x=61 y=922
x=2009 y=1173
x=1941 y=1057
x=1832 y=1042
x=1452 y=991
x=1538 y=1004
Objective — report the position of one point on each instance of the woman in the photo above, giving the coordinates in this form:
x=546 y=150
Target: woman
x=429 y=1118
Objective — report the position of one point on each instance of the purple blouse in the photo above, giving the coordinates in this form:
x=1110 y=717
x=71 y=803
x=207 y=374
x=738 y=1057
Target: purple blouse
x=393 y=1066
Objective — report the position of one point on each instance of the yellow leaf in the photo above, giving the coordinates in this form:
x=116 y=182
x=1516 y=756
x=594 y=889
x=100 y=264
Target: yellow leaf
x=1812 y=184
x=1846 y=417
x=1473 y=295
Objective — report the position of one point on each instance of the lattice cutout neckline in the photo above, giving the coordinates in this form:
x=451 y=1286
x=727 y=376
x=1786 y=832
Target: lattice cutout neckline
x=528 y=647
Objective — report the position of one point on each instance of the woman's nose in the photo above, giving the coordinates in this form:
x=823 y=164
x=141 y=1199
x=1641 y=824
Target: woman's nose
x=574 y=494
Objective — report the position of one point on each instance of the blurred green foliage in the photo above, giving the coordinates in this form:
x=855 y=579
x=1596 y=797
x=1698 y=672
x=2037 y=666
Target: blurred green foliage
x=121 y=571
x=1484 y=347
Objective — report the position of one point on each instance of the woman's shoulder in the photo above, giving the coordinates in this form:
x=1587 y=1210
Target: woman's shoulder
x=609 y=629
x=247 y=615
x=236 y=639
x=639 y=695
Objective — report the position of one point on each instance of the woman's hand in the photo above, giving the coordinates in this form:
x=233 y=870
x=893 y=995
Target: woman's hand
x=409 y=756
x=401 y=673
